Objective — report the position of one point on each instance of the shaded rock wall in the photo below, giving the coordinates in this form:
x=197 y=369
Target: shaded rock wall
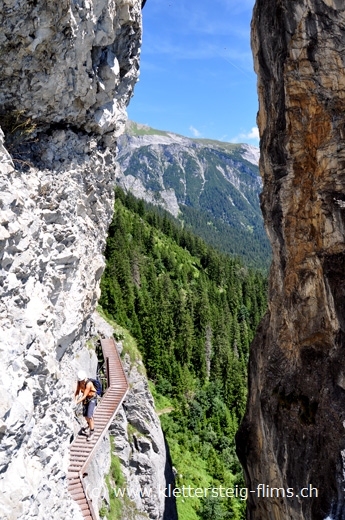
x=60 y=63
x=293 y=432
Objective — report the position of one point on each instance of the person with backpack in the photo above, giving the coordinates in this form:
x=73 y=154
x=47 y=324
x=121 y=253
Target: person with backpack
x=89 y=389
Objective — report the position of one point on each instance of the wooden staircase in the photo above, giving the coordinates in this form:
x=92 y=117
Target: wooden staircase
x=81 y=450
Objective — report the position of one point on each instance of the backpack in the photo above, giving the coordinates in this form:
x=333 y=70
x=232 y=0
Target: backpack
x=98 y=386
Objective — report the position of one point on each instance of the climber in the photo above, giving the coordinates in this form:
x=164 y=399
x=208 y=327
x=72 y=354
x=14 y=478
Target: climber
x=90 y=400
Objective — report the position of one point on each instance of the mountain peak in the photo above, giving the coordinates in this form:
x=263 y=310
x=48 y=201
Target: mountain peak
x=144 y=135
x=213 y=186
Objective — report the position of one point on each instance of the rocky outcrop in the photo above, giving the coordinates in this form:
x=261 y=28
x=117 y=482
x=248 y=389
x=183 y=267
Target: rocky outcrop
x=139 y=443
x=70 y=61
x=293 y=432
x=68 y=69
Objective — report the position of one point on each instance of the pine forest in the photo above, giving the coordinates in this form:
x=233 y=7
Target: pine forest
x=194 y=312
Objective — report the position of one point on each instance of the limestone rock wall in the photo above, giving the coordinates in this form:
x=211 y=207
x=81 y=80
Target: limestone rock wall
x=293 y=433
x=53 y=227
x=71 y=61
x=71 y=67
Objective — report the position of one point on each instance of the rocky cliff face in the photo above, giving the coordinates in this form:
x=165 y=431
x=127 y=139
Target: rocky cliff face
x=71 y=61
x=139 y=443
x=68 y=69
x=213 y=187
x=293 y=433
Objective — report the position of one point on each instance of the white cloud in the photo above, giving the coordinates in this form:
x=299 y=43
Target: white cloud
x=242 y=137
x=254 y=134
x=194 y=131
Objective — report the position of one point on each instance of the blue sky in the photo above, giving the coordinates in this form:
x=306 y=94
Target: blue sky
x=197 y=75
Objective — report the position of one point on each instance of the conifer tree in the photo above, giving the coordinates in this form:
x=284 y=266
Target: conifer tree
x=193 y=312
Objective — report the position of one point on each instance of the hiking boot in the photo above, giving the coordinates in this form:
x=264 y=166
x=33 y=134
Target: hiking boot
x=90 y=436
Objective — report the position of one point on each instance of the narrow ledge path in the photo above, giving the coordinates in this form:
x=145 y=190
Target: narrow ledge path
x=82 y=451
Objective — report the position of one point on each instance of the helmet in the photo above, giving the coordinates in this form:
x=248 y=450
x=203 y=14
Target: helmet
x=81 y=375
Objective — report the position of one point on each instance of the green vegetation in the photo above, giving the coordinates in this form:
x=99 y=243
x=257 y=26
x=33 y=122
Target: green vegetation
x=193 y=312
x=133 y=128
x=19 y=130
x=217 y=191
x=162 y=402
x=249 y=243
x=114 y=479
x=103 y=511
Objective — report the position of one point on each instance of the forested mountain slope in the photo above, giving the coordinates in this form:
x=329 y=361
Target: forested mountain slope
x=194 y=312
x=211 y=186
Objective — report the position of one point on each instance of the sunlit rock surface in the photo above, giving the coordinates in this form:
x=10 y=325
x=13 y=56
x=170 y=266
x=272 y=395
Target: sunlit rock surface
x=293 y=432
x=72 y=61
x=69 y=67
